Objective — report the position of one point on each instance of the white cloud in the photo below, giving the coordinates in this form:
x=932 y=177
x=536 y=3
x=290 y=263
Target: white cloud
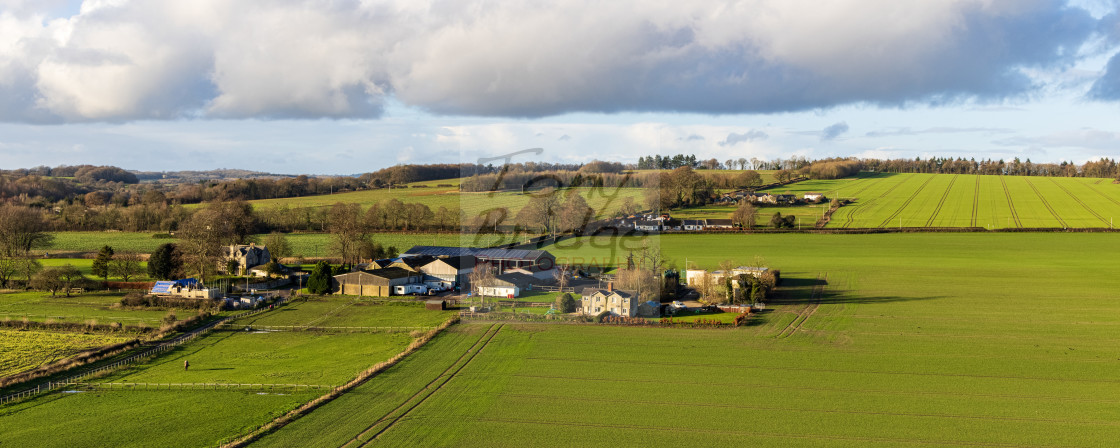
x=122 y=60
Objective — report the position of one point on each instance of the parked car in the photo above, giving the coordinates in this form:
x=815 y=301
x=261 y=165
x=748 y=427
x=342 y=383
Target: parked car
x=678 y=305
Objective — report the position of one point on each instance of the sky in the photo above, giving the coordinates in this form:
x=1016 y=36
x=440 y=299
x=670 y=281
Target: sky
x=346 y=87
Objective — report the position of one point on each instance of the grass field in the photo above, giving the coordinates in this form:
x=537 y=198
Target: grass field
x=348 y=312
x=40 y=306
x=807 y=215
x=950 y=200
x=913 y=340
x=165 y=418
x=140 y=242
x=24 y=350
x=85 y=266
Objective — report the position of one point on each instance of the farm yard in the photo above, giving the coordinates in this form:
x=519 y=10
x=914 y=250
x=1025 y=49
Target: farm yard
x=950 y=200
x=910 y=340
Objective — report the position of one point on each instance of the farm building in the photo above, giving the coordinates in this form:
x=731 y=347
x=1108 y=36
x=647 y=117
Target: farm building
x=619 y=303
x=693 y=277
x=692 y=224
x=451 y=270
x=505 y=285
x=647 y=225
x=435 y=304
x=247 y=257
x=377 y=283
x=502 y=259
x=411 y=263
x=718 y=224
x=186 y=288
x=813 y=197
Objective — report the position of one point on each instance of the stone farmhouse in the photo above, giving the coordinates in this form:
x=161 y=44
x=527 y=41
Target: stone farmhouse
x=618 y=303
x=247 y=256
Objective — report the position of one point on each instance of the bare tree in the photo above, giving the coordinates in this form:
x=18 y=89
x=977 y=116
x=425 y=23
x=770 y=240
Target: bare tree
x=742 y=163
x=744 y=215
x=278 y=246
x=561 y=276
x=482 y=274
x=126 y=266
x=21 y=229
x=348 y=230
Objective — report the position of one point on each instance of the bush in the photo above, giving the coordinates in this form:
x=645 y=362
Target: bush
x=319 y=282
x=565 y=303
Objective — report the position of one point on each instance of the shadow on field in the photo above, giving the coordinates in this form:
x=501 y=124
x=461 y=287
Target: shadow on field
x=799 y=291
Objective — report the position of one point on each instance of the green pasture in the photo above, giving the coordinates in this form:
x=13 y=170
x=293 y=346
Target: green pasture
x=165 y=418
x=807 y=214
x=139 y=242
x=27 y=349
x=102 y=307
x=951 y=200
x=85 y=266
x=914 y=340
x=349 y=312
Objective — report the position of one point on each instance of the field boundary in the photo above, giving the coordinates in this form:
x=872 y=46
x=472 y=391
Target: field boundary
x=199 y=386
x=296 y=328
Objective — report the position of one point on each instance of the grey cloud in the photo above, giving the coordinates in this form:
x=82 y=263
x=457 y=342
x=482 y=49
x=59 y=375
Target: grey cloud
x=694 y=138
x=564 y=138
x=834 y=131
x=749 y=136
x=157 y=62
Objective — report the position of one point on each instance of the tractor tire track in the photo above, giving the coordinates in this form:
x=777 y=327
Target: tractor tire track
x=1010 y=203
x=976 y=202
x=941 y=203
x=808 y=311
x=1079 y=201
x=908 y=201
x=1045 y=203
x=433 y=391
x=852 y=215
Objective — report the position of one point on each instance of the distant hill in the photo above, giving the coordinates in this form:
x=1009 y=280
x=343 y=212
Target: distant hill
x=176 y=177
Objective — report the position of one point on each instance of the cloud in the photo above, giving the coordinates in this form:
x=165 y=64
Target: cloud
x=120 y=60
x=1085 y=138
x=905 y=131
x=564 y=138
x=749 y=136
x=694 y=138
x=834 y=131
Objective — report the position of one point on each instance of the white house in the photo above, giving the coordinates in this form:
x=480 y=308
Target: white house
x=813 y=197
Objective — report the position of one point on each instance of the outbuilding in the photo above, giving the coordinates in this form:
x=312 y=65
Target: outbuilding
x=435 y=305
x=376 y=283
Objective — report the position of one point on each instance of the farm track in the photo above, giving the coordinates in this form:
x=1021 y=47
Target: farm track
x=1079 y=201
x=1110 y=198
x=941 y=203
x=852 y=216
x=782 y=436
x=1045 y=202
x=808 y=311
x=908 y=201
x=1010 y=203
x=447 y=375
x=976 y=202
x=817 y=410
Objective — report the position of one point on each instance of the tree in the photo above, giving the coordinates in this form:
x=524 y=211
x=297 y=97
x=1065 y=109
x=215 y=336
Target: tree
x=21 y=229
x=203 y=237
x=348 y=230
x=783 y=175
x=278 y=246
x=126 y=266
x=748 y=179
x=565 y=303
x=542 y=211
x=561 y=274
x=100 y=267
x=574 y=214
x=164 y=263
x=483 y=273
x=744 y=215
x=779 y=222
x=56 y=279
x=319 y=282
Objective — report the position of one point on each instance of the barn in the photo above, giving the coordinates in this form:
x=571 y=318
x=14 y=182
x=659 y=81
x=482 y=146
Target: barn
x=376 y=283
x=503 y=259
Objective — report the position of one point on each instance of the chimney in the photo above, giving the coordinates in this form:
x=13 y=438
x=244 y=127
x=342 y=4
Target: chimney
x=610 y=286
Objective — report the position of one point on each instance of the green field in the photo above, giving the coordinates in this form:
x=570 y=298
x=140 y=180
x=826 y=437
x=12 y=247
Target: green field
x=807 y=215
x=99 y=306
x=348 y=312
x=85 y=266
x=140 y=242
x=950 y=200
x=25 y=350
x=914 y=340
x=164 y=418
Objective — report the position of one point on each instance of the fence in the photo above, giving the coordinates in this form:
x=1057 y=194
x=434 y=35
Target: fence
x=327 y=329
x=152 y=352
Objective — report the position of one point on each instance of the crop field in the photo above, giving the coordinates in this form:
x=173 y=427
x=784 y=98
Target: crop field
x=950 y=200
x=349 y=312
x=24 y=350
x=604 y=200
x=140 y=242
x=40 y=306
x=141 y=418
x=876 y=340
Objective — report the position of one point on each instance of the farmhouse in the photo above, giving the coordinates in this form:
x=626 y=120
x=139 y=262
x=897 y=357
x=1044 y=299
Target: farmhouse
x=647 y=225
x=247 y=257
x=619 y=303
x=378 y=283
x=692 y=224
x=502 y=259
x=718 y=224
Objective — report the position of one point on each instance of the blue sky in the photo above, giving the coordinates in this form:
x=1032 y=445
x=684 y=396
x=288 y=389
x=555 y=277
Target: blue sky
x=352 y=86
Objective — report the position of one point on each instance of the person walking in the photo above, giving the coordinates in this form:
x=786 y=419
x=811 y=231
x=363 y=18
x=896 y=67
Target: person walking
x=186 y=365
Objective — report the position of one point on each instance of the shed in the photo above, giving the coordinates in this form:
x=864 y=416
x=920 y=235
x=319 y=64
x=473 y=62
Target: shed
x=377 y=283
x=435 y=304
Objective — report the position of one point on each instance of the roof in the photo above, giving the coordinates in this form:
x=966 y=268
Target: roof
x=456 y=262
x=387 y=273
x=719 y=222
x=414 y=262
x=486 y=254
x=693 y=222
x=511 y=279
x=164 y=287
x=644 y=222
x=587 y=292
